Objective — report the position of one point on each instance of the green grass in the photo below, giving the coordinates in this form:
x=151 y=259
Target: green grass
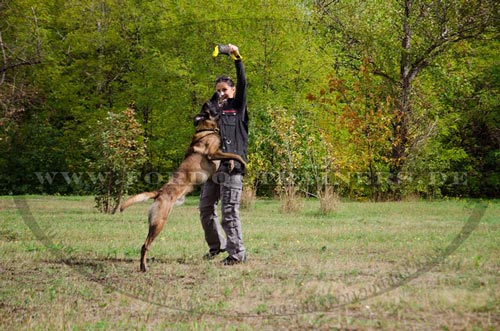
x=305 y=270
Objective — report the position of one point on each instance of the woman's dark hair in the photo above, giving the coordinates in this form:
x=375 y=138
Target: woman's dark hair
x=224 y=79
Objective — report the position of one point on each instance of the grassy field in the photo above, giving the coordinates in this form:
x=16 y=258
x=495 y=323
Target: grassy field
x=393 y=266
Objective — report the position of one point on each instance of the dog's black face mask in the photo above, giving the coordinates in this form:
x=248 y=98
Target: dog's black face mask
x=211 y=109
x=208 y=110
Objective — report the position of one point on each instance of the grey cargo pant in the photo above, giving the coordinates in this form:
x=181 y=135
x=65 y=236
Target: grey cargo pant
x=226 y=188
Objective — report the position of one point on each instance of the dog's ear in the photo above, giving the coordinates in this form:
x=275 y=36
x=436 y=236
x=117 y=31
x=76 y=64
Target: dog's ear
x=209 y=110
x=203 y=115
x=199 y=118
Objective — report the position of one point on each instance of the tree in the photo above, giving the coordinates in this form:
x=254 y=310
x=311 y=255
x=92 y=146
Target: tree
x=20 y=46
x=117 y=149
x=401 y=39
x=462 y=158
x=66 y=64
x=357 y=114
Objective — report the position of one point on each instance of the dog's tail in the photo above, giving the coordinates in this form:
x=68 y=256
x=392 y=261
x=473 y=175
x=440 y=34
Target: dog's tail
x=138 y=198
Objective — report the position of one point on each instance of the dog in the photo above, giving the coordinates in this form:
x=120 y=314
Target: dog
x=200 y=163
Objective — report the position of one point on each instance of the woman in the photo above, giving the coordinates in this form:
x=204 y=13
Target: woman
x=227 y=184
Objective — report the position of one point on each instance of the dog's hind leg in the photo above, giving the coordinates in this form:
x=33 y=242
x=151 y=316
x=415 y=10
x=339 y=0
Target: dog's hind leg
x=154 y=230
x=158 y=215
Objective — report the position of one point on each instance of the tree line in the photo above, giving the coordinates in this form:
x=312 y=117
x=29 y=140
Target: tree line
x=371 y=99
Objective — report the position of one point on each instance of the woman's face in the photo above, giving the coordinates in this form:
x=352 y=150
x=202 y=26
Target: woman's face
x=225 y=91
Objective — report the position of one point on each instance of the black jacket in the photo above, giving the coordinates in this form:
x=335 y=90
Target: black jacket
x=233 y=122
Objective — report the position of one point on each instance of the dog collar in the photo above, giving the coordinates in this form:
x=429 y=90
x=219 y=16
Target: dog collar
x=207 y=130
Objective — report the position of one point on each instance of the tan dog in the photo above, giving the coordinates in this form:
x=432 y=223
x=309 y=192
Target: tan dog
x=199 y=164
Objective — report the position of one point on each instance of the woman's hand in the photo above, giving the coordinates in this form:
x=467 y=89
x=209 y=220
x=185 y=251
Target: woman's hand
x=234 y=50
